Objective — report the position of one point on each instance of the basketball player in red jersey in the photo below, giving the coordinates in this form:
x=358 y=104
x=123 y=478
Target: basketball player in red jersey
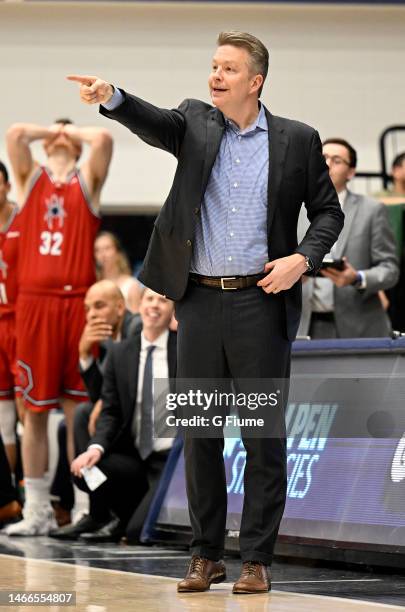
x=58 y=223
x=8 y=294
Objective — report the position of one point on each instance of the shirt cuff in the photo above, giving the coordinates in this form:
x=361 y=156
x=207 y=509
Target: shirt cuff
x=115 y=101
x=362 y=279
x=86 y=363
x=98 y=446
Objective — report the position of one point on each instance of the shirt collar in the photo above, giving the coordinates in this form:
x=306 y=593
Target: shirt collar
x=259 y=123
x=160 y=342
x=342 y=195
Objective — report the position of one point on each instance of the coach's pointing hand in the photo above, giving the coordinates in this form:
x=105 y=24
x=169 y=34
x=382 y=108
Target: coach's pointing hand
x=92 y=89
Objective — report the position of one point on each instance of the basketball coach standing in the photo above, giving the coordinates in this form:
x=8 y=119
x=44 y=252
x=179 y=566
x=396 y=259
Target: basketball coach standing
x=224 y=247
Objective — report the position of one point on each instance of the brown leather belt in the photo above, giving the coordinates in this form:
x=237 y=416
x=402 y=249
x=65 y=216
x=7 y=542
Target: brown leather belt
x=227 y=283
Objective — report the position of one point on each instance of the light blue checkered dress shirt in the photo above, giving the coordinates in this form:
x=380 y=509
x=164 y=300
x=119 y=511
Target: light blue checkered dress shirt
x=231 y=232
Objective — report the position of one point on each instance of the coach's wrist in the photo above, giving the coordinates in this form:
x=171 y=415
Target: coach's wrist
x=301 y=262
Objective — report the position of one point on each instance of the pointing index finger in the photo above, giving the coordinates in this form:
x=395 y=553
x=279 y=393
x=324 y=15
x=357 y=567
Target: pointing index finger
x=82 y=79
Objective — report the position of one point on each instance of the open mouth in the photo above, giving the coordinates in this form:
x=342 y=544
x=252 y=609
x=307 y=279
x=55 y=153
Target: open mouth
x=218 y=90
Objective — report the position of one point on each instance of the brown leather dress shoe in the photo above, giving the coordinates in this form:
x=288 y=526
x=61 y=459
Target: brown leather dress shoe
x=10 y=511
x=201 y=574
x=62 y=516
x=253 y=579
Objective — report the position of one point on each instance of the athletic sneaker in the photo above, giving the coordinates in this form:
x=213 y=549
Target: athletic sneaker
x=38 y=520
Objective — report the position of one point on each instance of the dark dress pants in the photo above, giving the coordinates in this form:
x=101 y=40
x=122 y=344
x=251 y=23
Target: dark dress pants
x=126 y=483
x=322 y=329
x=131 y=483
x=238 y=334
x=153 y=466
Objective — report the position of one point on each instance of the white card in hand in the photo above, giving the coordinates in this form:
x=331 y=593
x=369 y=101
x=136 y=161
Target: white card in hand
x=93 y=476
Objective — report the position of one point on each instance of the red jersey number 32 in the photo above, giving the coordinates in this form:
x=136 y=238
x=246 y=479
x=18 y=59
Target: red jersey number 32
x=51 y=243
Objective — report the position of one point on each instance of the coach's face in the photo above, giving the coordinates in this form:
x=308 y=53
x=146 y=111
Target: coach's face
x=232 y=82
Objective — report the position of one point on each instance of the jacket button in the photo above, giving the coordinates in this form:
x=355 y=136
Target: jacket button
x=196 y=210
x=188 y=243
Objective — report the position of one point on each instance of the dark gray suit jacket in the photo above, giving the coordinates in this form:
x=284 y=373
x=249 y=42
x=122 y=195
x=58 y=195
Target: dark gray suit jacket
x=368 y=243
x=297 y=173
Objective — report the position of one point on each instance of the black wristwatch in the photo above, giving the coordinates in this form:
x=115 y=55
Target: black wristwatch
x=310 y=266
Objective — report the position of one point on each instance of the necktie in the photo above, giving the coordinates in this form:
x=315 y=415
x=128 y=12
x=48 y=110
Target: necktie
x=145 y=445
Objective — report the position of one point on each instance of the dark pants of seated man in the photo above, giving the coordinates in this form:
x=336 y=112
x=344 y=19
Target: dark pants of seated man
x=7 y=491
x=131 y=483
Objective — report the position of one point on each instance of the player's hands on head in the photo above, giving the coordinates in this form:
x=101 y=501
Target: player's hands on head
x=54 y=131
x=93 y=90
x=72 y=132
x=56 y=128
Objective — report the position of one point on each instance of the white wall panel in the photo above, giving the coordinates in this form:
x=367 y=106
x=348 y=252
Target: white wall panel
x=338 y=68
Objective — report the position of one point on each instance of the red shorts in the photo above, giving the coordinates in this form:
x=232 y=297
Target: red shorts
x=48 y=330
x=7 y=356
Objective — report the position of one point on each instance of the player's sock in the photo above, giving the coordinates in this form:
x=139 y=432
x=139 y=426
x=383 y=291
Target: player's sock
x=37 y=514
x=37 y=491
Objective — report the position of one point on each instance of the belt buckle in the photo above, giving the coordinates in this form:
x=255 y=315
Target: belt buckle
x=225 y=278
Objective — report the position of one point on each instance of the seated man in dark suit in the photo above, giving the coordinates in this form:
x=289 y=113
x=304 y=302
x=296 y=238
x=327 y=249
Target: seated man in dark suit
x=123 y=446
x=107 y=321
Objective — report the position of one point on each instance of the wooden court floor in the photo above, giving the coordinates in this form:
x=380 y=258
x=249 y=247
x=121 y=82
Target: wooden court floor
x=100 y=590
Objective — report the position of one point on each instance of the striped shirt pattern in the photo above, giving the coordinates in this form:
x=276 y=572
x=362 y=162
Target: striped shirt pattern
x=231 y=231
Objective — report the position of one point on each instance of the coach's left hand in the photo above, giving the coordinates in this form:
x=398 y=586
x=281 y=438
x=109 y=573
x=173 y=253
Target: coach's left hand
x=283 y=273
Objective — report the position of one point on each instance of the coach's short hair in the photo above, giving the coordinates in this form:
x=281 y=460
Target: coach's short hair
x=259 y=55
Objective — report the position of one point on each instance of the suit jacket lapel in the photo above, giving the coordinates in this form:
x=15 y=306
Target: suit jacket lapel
x=350 y=209
x=125 y=324
x=215 y=130
x=132 y=358
x=278 y=144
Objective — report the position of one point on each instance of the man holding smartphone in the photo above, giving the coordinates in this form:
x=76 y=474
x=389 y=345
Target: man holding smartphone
x=344 y=301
